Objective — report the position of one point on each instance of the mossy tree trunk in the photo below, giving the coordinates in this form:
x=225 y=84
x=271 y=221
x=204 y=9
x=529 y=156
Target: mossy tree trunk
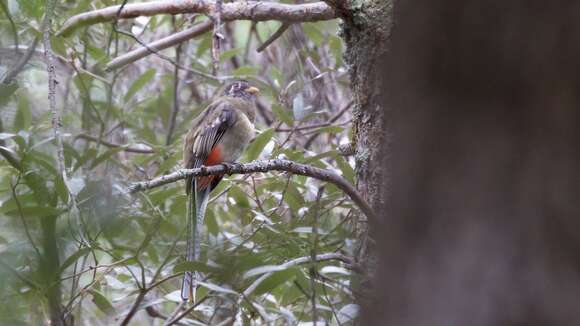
x=366 y=31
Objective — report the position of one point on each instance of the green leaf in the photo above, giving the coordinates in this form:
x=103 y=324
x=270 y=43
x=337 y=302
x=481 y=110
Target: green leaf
x=23 y=115
x=6 y=90
x=226 y=55
x=257 y=146
x=31 y=8
x=239 y=196
x=311 y=30
x=347 y=170
x=102 y=302
x=36 y=211
x=204 y=45
x=211 y=222
x=74 y=257
x=217 y=288
x=105 y=156
x=187 y=266
x=139 y=83
x=283 y=115
x=58 y=45
x=275 y=280
x=245 y=71
x=61 y=189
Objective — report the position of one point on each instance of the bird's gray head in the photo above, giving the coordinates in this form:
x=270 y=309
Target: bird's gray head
x=242 y=89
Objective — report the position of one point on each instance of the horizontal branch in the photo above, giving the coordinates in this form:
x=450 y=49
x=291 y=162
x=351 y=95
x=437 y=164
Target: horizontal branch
x=159 y=45
x=261 y=166
x=243 y=10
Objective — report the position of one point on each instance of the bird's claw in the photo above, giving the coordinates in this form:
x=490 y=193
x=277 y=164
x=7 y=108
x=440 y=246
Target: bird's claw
x=228 y=166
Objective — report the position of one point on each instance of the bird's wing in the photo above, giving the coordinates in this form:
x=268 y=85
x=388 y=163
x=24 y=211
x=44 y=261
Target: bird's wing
x=206 y=133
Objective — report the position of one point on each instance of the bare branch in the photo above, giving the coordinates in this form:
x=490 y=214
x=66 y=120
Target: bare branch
x=273 y=38
x=159 y=45
x=262 y=166
x=332 y=120
x=151 y=311
x=256 y=11
x=126 y=148
x=52 y=82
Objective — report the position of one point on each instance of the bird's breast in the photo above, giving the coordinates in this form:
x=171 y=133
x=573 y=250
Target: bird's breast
x=235 y=140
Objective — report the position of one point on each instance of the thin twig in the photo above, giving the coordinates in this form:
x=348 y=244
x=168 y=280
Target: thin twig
x=262 y=166
x=22 y=61
x=20 y=213
x=158 y=45
x=151 y=311
x=330 y=122
x=168 y=59
x=125 y=148
x=16 y=273
x=274 y=37
x=187 y=311
x=174 y=314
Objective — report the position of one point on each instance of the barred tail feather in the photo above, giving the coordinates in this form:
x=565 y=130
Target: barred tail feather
x=197 y=204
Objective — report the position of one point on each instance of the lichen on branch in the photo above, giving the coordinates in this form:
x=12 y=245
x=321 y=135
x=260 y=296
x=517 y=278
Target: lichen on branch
x=261 y=166
x=255 y=11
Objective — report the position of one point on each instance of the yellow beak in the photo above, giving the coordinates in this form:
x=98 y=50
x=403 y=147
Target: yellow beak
x=253 y=90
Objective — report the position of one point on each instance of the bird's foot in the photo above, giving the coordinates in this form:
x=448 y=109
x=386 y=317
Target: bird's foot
x=228 y=166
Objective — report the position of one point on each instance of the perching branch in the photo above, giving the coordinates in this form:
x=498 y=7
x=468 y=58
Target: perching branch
x=261 y=166
x=256 y=11
x=159 y=45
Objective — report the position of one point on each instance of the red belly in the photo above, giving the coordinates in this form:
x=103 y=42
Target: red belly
x=214 y=158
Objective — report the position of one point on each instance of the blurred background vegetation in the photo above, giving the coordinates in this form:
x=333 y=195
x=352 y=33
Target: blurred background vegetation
x=83 y=247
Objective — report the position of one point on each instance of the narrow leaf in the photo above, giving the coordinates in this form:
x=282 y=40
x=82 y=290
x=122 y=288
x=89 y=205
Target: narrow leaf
x=257 y=146
x=139 y=83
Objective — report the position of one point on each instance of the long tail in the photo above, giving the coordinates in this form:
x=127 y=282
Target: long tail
x=197 y=203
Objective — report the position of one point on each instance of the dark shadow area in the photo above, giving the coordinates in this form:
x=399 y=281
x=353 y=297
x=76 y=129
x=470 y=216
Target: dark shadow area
x=483 y=215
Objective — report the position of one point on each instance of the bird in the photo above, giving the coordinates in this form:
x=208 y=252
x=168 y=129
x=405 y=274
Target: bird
x=218 y=135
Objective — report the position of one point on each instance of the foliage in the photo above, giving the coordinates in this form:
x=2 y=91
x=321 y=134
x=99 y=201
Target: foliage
x=114 y=248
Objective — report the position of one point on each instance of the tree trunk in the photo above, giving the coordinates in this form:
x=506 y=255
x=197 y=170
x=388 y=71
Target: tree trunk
x=366 y=31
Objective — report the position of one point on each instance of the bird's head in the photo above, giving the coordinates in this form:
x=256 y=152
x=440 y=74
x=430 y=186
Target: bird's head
x=242 y=89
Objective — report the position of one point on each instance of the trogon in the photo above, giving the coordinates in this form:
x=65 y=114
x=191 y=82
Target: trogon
x=219 y=135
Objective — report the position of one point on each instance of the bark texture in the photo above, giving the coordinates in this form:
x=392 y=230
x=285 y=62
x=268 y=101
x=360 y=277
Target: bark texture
x=366 y=30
